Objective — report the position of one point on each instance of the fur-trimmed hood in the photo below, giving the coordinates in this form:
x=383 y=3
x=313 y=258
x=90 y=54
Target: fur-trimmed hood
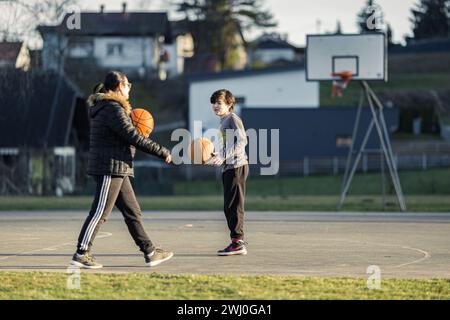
x=94 y=99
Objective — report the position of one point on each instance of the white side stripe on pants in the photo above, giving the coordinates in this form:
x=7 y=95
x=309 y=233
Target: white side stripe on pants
x=98 y=213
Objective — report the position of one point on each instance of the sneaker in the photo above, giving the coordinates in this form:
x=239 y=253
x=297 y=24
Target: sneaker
x=85 y=261
x=157 y=256
x=234 y=248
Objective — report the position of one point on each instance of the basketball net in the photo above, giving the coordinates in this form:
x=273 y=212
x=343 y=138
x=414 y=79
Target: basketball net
x=339 y=85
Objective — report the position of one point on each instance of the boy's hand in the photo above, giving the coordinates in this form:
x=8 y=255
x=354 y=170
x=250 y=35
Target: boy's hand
x=168 y=159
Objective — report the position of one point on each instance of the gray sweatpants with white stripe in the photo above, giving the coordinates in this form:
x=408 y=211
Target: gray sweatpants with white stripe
x=114 y=191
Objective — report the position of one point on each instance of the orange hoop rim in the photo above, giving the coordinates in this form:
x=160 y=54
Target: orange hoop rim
x=345 y=75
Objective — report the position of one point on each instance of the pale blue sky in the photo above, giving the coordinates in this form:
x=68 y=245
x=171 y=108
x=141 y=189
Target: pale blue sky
x=299 y=17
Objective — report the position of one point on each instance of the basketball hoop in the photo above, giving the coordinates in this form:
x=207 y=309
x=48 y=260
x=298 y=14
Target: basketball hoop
x=339 y=85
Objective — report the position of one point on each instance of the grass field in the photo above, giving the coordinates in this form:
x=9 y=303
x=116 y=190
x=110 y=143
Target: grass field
x=425 y=191
x=429 y=182
x=253 y=203
x=16 y=285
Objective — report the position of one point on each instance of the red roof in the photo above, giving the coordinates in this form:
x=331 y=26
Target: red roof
x=9 y=50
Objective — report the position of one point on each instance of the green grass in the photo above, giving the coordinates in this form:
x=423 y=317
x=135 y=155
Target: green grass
x=430 y=182
x=33 y=285
x=253 y=203
x=425 y=191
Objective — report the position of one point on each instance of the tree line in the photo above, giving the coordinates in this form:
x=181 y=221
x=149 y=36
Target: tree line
x=218 y=26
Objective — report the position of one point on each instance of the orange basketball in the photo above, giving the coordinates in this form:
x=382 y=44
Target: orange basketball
x=143 y=121
x=201 y=150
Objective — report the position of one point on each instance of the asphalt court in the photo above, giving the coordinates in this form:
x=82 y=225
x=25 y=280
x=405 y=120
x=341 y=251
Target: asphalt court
x=402 y=245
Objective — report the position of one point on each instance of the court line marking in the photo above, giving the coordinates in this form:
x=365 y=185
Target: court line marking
x=52 y=248
x=426 y=254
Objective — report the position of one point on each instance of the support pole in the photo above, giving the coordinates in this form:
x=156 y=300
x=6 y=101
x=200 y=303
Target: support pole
x=379 y=122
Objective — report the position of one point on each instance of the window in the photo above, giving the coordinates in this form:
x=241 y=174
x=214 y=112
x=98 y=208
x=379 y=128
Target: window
x=114 y=49
x=239 y=104
x=240 y=100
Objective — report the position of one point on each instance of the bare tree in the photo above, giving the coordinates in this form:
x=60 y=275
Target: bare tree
x=20 y=18
x=13 y=21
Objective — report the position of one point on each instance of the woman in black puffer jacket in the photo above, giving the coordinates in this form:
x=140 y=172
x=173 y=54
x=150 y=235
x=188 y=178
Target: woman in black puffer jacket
x=113 y=143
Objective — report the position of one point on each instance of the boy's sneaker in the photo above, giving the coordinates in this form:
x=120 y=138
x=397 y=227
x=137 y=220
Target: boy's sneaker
x=234 y=248
x=157 y=256
x=85 y=261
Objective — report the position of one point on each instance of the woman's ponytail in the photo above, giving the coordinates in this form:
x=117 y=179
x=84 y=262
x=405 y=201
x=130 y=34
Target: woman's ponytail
x=99 y=88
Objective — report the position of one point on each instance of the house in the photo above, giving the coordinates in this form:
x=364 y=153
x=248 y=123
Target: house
x=273 y=49
x=45 y=126
x=14 y=55
x=132 y=42
x=282 y=87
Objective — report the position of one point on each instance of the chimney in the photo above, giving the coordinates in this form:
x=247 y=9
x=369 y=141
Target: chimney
x=124 y=7
x=102 y=8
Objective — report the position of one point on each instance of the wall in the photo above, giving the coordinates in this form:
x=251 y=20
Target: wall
x=270 y=55
x=314 y=132
x=136 y=51
x=282 y=89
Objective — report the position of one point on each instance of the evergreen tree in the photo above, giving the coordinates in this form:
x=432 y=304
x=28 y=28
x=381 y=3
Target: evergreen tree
x=389 y=35
x=217 y=25
x=431 y=19
x=338 y=27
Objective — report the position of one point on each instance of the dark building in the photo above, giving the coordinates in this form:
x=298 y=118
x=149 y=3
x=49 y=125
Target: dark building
x=316 y=132
x=44 y=130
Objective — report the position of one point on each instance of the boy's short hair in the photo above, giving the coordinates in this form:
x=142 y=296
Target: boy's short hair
x=226 y=96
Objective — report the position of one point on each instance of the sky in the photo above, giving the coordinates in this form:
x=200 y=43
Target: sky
x=296 y=18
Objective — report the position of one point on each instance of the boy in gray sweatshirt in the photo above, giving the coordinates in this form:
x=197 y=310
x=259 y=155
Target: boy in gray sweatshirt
x=233 y=159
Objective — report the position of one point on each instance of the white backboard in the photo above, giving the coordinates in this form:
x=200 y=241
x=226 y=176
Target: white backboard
x=365 y=55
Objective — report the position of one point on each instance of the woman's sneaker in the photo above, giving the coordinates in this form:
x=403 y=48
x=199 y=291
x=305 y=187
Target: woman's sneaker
x=157 y=256
x=234 y=248
x=85 y=261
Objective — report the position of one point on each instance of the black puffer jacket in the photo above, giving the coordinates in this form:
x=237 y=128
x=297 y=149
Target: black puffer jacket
x=114 y=139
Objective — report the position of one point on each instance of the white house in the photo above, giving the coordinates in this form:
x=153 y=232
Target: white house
x=275 y=87
x=270 y=48
x=133 y=42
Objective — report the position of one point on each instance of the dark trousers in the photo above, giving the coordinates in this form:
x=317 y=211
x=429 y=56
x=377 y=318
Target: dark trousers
x=114 y=191
x=234 y=199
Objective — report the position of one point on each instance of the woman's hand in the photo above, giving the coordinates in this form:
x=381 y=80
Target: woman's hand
x=168 y=159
